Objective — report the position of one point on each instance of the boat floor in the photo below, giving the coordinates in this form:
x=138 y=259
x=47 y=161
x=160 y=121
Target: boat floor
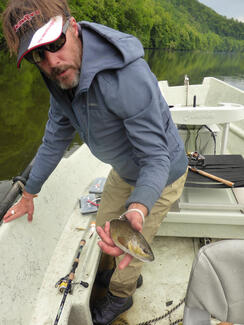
x=164 y=280
x=164 y=283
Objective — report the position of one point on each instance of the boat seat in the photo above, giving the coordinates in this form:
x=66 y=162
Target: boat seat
x=216 y=284
x=209 y=211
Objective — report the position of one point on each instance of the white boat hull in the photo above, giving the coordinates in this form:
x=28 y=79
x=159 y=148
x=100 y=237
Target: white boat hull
x=37 y=255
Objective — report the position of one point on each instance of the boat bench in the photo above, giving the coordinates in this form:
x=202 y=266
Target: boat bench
x=208 y=208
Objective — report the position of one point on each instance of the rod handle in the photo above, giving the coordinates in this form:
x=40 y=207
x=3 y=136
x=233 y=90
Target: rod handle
x=216 y=178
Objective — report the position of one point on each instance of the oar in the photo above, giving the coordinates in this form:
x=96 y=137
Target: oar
x=67 y=281
x=16 y=189
x=216 y=178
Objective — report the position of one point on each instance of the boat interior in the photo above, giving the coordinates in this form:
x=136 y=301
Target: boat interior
x=35 y=256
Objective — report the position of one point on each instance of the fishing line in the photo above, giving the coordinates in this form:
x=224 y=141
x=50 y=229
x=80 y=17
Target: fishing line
x=212 y=134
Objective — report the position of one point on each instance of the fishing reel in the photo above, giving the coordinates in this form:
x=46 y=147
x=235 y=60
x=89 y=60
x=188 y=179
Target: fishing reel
x=195 y=159
x=63 y=283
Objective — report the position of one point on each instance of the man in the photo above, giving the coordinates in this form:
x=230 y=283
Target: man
x=102 y=88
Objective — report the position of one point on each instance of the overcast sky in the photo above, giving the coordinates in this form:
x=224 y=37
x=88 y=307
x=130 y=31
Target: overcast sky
x=228 y=8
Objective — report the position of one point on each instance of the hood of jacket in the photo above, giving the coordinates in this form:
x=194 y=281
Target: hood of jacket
x=103 y=48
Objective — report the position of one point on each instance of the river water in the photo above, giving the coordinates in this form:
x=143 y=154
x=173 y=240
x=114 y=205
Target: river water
x=25 y=100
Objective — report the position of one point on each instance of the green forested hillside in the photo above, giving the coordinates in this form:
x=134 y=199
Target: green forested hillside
x=167 y=24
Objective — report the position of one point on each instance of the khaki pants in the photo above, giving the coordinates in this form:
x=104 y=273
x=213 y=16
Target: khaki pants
x=115 y=194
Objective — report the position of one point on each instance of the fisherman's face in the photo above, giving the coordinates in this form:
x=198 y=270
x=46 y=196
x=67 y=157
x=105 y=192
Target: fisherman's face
x=63 y=66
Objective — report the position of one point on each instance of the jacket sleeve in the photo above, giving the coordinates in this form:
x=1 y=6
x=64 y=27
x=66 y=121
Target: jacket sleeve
x=58 y=135
x=136 y=99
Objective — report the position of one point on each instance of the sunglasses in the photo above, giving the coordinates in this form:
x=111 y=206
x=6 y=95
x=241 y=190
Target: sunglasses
x=38 y=54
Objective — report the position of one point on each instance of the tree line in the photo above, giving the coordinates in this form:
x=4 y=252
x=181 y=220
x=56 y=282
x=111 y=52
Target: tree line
x=166 y=24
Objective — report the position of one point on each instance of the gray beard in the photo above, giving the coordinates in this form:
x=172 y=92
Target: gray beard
x=62 y=84
x=74 y=83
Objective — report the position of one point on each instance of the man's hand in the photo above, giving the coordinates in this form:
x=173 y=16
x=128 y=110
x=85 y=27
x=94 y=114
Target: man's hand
x=134 y=217
x=108 y=246
x=24 y=206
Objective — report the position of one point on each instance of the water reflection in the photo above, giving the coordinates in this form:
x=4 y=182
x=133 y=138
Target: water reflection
x=25 y=100
x=234 y=81
x=23 y=113
x=173 y=66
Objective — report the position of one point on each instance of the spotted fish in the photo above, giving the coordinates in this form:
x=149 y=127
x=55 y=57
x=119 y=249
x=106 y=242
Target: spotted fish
x=130 y=240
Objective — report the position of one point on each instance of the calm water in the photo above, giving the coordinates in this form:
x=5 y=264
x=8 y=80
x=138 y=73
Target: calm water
x=25 y=100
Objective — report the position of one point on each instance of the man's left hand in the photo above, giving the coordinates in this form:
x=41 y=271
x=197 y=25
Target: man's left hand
x=108 y=246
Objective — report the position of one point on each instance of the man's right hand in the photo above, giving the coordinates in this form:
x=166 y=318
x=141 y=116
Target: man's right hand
x=24 y=206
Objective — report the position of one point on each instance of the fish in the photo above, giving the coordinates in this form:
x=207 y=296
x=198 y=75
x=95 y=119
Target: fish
x=130 y=240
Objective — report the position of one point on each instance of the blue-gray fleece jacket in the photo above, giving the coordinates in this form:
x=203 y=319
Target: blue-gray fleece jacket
x=119 y=112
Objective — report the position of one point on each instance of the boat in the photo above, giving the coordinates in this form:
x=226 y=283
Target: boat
x=35 y=256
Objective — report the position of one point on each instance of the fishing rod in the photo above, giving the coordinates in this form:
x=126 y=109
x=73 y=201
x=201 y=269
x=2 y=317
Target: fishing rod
x=65 y=283
x=16 y=189
x=215 y=178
